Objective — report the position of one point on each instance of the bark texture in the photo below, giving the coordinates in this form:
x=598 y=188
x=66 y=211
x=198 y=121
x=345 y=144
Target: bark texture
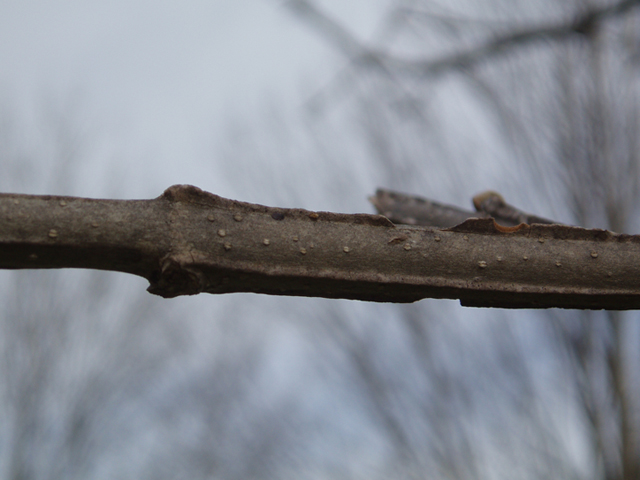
x=188 y=241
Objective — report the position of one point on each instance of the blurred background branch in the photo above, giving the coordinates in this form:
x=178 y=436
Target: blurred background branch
x=584 y=23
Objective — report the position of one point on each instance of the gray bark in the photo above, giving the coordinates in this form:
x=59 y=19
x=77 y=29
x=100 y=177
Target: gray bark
x=188 y=241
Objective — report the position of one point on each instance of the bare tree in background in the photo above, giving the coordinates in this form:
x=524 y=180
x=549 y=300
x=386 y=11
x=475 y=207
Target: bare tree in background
x=558 y=82
x=598 y=153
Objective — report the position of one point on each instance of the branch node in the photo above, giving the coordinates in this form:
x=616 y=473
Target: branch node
x=175 y=278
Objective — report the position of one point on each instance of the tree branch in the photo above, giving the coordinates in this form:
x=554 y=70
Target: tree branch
x=583 y=24
x=413 y=210
x=189 y=241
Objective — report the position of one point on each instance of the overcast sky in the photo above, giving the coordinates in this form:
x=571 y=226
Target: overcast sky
x=159 y=79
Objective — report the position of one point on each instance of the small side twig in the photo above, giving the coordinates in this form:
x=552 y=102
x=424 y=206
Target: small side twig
x=403 y=209
x=406 y=209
